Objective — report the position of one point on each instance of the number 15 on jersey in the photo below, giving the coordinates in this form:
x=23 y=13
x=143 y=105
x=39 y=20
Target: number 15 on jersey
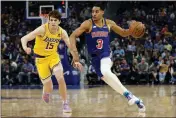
x=49 y=45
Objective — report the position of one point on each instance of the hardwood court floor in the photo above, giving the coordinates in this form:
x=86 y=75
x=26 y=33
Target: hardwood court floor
x=99 y=101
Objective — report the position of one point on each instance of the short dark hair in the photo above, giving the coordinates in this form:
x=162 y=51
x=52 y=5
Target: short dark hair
x=55 y=14
x=101 y=5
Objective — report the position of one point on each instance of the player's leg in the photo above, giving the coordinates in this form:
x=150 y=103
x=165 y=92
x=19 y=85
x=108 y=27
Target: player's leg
x=103 y=69
x=47 y=89
x=45 y=76
x=58 y=72
x=112 y=80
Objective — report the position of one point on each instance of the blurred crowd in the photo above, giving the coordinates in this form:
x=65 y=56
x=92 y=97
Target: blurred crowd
x=149 y=60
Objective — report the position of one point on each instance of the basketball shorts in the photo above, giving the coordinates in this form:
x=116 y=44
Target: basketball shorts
x=45 y=65
x=96 y=62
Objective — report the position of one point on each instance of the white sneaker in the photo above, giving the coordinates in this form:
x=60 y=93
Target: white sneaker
x=133 y=100
x=66 y=108
x=142 y=109
x=141 y=106
x=138 y=102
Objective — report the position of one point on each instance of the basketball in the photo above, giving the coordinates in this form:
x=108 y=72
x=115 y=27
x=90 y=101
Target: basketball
x=137 y=29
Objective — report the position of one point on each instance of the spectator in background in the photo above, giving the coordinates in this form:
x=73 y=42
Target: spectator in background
x=116 y=67
x=124 y=72
x=5 y=69
x=172 y=16
x=139 y=56
x=154 y=56
x=3 y=36
x=168 y=46
x=173 y=70
x=119 y=52
x=87 y=13
x=140 y=48
x=165 y=54
x=131 y=49
x=174 y=52
x=163 y=69
x=148 y=48
x=115 y=43
x=156 y=45
x=142 y=70
x=35 y=80
x=161 y=46
x=91 y=76
x=148 y=44
x=153 y=72
x=153 y=31
x=26 y=71
x=134 y=70
x=165 y=31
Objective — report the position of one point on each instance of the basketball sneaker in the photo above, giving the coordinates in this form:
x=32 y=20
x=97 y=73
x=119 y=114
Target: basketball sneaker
x=134 y=100
x=140 y=105
x=66 y=108
x=45 y=97
x=138 y=102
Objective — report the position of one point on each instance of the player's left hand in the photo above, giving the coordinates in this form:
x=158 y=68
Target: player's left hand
x=77 y=65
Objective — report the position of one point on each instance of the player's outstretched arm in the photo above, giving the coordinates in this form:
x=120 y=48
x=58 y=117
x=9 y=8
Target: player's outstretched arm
x=67 y=42
x=117 y=29
x=66 y=38
x=83 y=28
x=31 y=36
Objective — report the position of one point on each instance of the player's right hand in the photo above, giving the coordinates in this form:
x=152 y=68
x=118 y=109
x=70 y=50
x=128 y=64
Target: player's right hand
x=131 y=25
x=27 y=50
x=77 y=65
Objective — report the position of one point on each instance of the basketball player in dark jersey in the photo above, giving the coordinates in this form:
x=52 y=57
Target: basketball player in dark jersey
x=97 y=38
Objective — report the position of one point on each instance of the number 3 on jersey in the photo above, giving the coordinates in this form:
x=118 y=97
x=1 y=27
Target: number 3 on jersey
x=100 y=44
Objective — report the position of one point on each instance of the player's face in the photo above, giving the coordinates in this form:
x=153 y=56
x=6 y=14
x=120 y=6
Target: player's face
x=97 y=13
x=54 y=22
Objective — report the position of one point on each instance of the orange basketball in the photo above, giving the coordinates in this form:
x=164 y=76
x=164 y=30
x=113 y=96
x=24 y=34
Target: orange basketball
x=137 y=29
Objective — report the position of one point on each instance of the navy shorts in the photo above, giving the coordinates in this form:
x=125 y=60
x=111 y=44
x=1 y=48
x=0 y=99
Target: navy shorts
x=96 y=61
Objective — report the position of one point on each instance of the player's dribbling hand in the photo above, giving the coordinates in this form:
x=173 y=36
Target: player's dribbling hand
x=78 y=65
x=131 y=24
x=27 y=50
x=136 y=29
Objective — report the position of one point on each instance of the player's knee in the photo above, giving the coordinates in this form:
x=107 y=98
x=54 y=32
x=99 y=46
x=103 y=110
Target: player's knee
x=47 y=81
x=58 y=72
x=60 y=77
x=57 y=69
x=106 y=66
x=103 y=71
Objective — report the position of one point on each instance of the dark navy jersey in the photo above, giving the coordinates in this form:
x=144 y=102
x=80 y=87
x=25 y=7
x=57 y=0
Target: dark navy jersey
x=62 y=48
x=98 y=39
